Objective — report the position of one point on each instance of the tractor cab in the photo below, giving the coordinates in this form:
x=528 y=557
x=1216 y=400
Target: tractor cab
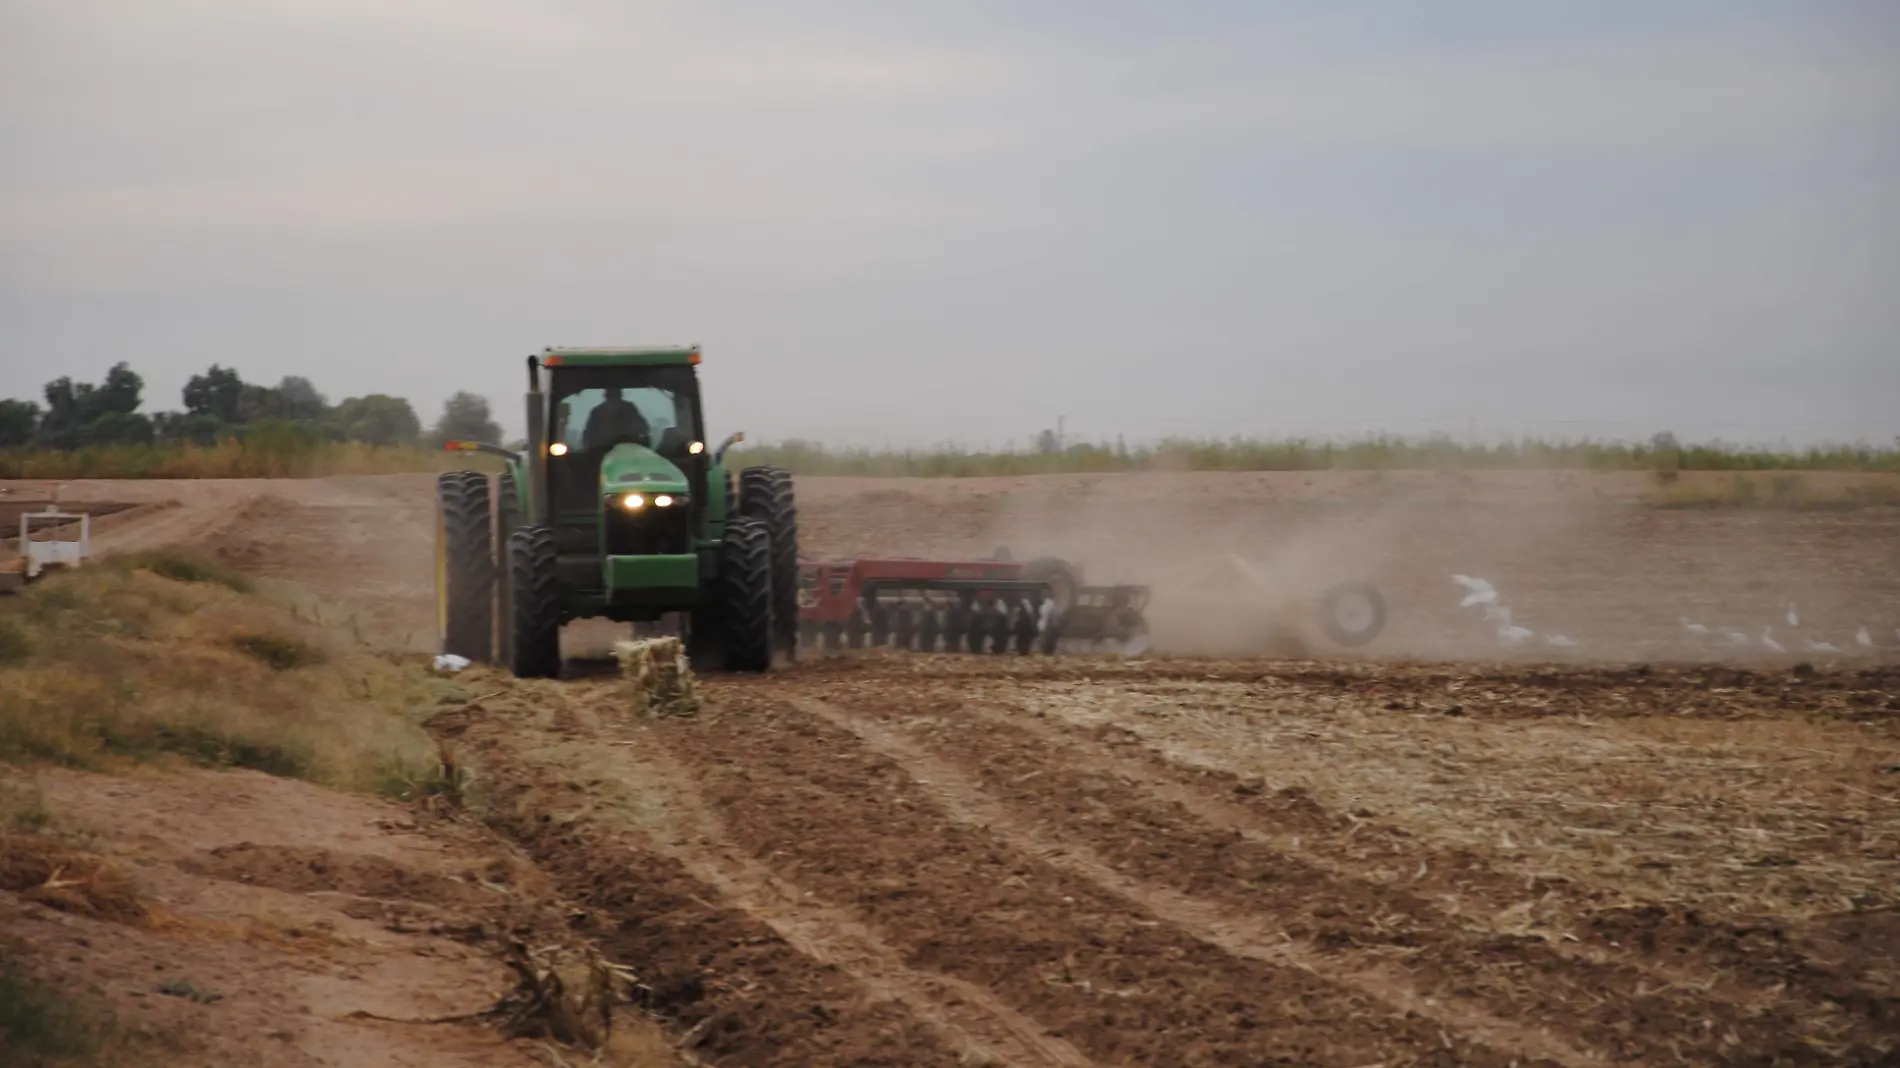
x=643 y=415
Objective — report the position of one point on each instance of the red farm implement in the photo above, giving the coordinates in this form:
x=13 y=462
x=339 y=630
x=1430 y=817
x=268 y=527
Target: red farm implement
x=977 y=606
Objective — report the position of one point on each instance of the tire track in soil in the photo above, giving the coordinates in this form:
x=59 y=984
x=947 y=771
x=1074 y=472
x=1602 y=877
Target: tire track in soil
x=1211 y=882
x=737 y=990
x=981 y=1028
x=1241 y=933
x=1739 y=962
x=1113 y=977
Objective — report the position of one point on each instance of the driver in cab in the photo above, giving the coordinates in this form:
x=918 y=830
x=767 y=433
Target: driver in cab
x=614 y=421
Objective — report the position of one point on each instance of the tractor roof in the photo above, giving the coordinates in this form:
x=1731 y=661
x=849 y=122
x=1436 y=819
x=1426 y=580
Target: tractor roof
x=636 y=356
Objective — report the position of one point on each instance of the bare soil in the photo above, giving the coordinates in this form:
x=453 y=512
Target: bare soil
x=1651 y=850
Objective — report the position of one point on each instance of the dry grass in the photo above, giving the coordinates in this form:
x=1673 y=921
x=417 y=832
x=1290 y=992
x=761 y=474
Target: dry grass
x=1780 y=489
x=52 y=872
x=119 y=664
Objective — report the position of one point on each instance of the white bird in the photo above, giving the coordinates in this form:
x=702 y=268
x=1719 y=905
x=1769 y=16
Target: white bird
x=1821 y=647
x=1510 y=634
x=1696 y=629
x=1768 y=643
x=1478 y=591
x=1736 y=637
x=1560 y=641
x=1793 y=620
x=1863 y=639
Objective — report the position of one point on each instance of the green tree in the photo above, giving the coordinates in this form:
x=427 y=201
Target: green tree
x=73 y=409
x=215 y=393
x=301 y=399
x=120 y=394
x=465 y=417
x=19 y=422
x=257 y=403
x=120 y=428
x=377 y=419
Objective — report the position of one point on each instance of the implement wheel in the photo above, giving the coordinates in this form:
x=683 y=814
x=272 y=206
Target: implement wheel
x=765 y=494
x=464 y=566
x=534 y=632
x=1352 y=613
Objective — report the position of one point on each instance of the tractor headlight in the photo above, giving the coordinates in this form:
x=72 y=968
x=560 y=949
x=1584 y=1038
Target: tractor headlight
x=664 y=500
x=696 y=448
x=633 y=502
x=559 y=448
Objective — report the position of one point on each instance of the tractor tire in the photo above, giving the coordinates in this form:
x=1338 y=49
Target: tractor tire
x=534 y=631
x=765 y=494
x=880 y=625
x=745 y=595
x=507 y=507
x=833 y=635
x=507 y=519
x=1341 y=625
x=929 y=629
x=465 y=566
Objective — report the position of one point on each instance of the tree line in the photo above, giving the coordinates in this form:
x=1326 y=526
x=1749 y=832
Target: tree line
x=219 y=405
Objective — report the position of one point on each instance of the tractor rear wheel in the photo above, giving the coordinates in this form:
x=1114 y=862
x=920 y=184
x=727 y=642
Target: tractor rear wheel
x=507 y=518
x=765 y=493
x=464 y=566
x=745 y=595
x=534 y=626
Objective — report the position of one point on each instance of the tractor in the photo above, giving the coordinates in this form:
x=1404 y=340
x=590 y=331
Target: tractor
x=616 y=509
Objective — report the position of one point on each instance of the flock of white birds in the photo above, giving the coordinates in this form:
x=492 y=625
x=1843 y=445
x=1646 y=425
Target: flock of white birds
x=1511 y=634
x=1481 y=594
x=1765 y=641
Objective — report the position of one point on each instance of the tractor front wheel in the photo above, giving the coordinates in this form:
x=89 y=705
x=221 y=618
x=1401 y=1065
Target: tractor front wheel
x=465 y=566
x=534 y=633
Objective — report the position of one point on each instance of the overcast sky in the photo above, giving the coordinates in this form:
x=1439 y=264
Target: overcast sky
x=926 y=221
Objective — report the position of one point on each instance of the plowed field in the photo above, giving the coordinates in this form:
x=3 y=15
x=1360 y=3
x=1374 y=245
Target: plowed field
x=879 y=861
x=1649 y=851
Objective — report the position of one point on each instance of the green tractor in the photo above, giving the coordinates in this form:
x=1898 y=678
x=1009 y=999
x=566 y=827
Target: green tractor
x=616 y=509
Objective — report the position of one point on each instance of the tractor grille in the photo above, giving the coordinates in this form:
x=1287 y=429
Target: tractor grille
x=650 y=531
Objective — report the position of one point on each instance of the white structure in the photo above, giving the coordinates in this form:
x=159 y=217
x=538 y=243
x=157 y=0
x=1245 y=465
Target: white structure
x=54 y=552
